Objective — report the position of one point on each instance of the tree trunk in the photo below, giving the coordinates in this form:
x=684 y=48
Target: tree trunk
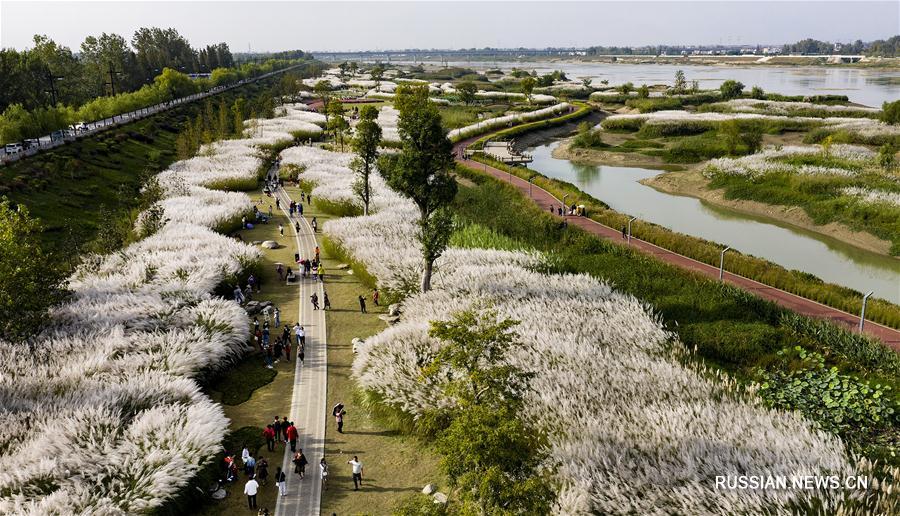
x=426 y=276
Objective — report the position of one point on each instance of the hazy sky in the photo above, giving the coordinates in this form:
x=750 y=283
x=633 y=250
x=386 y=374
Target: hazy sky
x=340 y=25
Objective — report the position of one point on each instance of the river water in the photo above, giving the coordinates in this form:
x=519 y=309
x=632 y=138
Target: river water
x=862 y=85
x=788 y=246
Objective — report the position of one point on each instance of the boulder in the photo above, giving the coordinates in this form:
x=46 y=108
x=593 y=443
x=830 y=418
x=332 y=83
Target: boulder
x=256 y=242
x=349 y=271
x=394 y=309
x=343 y=266
x=270 y=244
x=440 y=498
x=429 y=489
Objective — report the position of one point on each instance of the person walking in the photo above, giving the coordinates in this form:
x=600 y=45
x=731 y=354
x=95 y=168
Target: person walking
x=292 y=436
x=276 y=425
x=280 y=481
x=321 y=272
x=315 y=225
x=317 y=254
x=323 y=472
x=327 y=304
x=301 y=337
x=269 y=434
x=301 y=353
x=375 y=296
x=362 y=304
x=277 y=315
x=262 y=470
x=281 y=229
x=287 y=349
x=314 y=299
x=624 y=234
x=357 y=468
x=300 y=463
x=250 y=489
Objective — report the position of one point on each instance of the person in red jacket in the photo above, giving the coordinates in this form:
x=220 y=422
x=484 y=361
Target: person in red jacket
x=269 y=434
x=292 y=436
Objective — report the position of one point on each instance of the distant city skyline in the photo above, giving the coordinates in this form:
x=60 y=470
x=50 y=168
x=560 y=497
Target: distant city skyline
x=348 y=26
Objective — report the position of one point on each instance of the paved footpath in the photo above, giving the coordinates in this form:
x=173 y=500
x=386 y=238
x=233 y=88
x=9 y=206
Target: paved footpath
x=308 y=404
x=799 y=304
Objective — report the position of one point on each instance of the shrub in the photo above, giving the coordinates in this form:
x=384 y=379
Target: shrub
x=890 y=112
x=731 y=89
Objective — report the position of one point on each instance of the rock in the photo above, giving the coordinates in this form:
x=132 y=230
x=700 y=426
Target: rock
x=256 y=242
x=270 y=244
x=429 y=489
x=394 y=309
x=219 y=494
x=343 y=266
x=440 y=498
x=390 y=319
x=252 y=307
x=350 y=271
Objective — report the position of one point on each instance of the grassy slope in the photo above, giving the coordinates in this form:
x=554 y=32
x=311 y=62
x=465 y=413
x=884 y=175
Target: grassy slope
x=395 y=465
x=68 y=187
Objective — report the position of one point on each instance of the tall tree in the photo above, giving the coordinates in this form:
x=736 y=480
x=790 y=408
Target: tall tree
x=337 y=122
x=528 y=87
x=323 y=91
x=365 y=145
x=33 y=281
x=421 y=172
x=680 y=82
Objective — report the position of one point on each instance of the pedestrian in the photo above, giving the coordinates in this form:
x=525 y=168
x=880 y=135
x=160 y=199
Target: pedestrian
x=269 y=434
x=287 y=348
x=297 y=226
x=321 y=272
x=277 y=203
x=300 y=353
x=281 y=229
x=338 y=412
x=357 y=468
x=624 y=234
x=238 y=295
x=280 y=481
x=362 y=304
x=280 y=270
x=269 y=357
x=250 y=489
x=327 y=304
x=265 y=336
x=323 y=472
x=315 y=225
x=277 y=350
x=284 y=426
x=300 y=210
x=551 y=209
x=314 y=298
x=300 y=334
x=375 y=296
x=317 y=253
x=292 y=436
x=250 y=466
x=276 y=425
x=270 y=211
x=300 y=463
x=309 y=199
x=262 y=470
x=243 y=222
x=277 y=316
x=255 y=324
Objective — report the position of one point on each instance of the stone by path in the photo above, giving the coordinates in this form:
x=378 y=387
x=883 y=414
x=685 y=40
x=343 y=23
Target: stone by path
x=801 y=305
x=308 y=404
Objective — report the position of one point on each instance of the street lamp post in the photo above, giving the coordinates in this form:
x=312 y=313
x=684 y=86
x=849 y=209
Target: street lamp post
x=862 y=314
x=530 y=182
x=722 y=263
x=632 y=219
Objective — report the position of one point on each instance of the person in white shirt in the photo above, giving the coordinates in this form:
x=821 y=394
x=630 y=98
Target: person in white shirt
x=357 y=468
x=323 y=471
x=280 y=482
x=250 y=489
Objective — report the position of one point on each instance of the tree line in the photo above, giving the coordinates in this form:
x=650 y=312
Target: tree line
x=880 y=48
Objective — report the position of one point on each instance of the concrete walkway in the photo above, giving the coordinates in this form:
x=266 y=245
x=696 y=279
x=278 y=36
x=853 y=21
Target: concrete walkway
x=308 y=404
x=801 y=305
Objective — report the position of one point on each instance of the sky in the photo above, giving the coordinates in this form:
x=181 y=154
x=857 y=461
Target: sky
x=373 y=25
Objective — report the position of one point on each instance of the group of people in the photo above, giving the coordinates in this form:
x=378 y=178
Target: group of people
x=245 y=295
x=576 y=210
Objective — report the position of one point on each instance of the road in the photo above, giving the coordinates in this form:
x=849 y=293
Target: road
x=308 y=404
x=801 y=305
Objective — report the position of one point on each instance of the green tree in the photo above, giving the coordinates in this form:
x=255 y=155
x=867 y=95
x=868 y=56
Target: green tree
x=680 y=83
x=528 y=87
x=487 y=450
x=421 y=172
x=354 y=67
x=337 y=123
x=33 y=280
x=377 y=73
x=890 y=112
x=757 y=93
x=730 y=132
x=467 y=91
x=643 y=92
x=343 y=68
x=731 y=89
x=586 y=82
x=365 y=145
x=826 y=145
x=752 y=139
x=626 y=88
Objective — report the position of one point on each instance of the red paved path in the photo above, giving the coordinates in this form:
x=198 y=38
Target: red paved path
x=801 y=305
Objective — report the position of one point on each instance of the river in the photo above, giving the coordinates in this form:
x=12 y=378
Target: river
x=866 y=86
x=791 y=247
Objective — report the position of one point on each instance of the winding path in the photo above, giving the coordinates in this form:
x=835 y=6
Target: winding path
x=801 y=305
x=308 y=404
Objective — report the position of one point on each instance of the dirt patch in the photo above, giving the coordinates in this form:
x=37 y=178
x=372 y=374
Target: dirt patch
x=691 y=183
x=618 y=159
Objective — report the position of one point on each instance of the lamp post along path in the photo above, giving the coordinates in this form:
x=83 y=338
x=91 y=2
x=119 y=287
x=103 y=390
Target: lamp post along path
x=722 y=263
x=632 y=219
x=862 y=313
